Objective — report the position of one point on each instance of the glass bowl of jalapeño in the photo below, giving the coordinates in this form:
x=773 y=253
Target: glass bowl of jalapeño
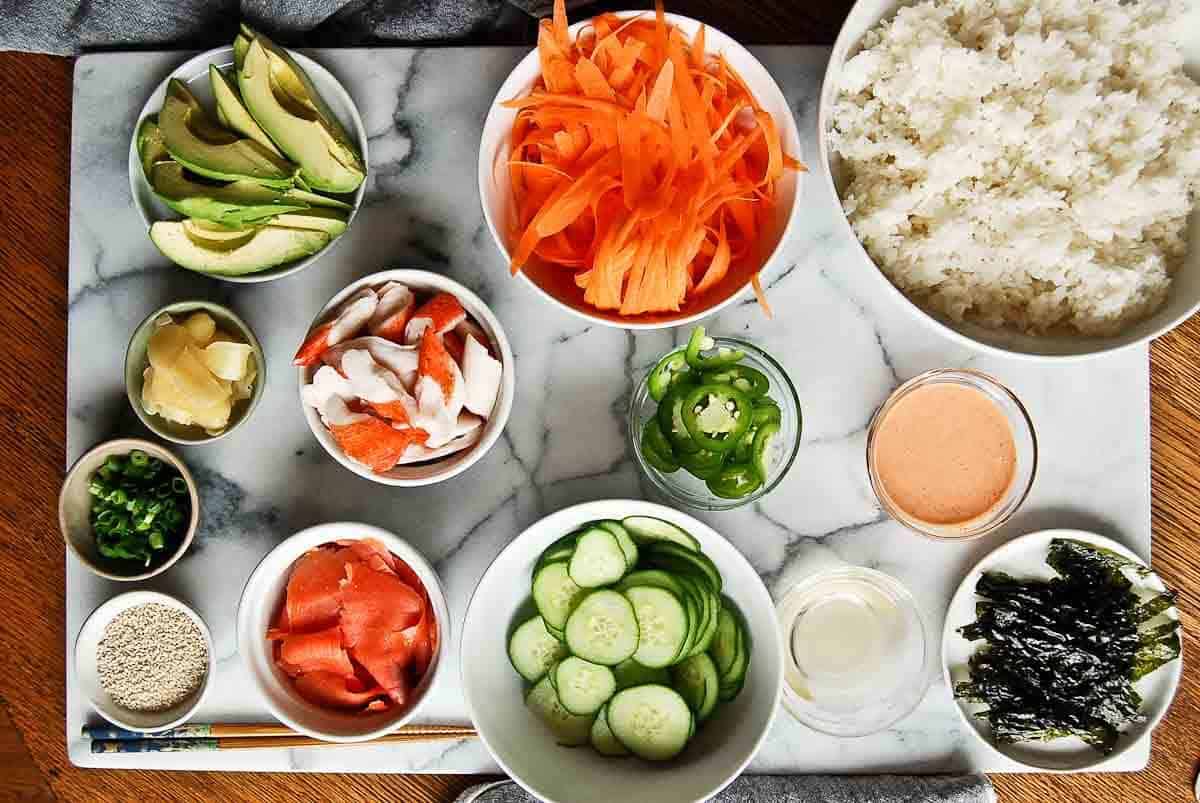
x=716 y=423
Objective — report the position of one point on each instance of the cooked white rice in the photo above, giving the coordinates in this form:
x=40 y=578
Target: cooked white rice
x=1023 y=163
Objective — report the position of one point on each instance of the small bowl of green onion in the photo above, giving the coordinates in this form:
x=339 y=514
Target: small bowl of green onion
x=715 y=423
x=128 y=509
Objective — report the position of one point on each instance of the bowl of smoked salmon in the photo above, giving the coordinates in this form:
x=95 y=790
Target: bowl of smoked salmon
x=343 y=628
x=406 y=377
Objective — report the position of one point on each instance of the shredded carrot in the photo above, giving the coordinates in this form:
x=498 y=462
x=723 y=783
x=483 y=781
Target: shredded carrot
x=641 y=164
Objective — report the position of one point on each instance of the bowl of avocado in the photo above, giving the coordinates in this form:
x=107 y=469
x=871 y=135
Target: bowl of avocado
x=248 y=162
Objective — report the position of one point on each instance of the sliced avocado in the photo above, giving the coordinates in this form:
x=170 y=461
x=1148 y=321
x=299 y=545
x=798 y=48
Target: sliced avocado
x=151 y=148
x=217 y=235
x=309 y=134
x=204 y=147
x=265 y=248
x=235 y=204
x=330 y=221
x=313 y=199
x=240 y=45
x=233 y=114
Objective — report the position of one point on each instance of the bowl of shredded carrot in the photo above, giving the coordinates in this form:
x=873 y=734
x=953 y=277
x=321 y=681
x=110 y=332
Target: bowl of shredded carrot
x=640 y=169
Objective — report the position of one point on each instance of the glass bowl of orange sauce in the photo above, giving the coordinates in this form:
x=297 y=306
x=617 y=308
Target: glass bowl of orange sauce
x=951 y=454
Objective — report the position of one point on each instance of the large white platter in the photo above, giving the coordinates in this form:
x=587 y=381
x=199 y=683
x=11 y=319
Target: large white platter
x=844 y=343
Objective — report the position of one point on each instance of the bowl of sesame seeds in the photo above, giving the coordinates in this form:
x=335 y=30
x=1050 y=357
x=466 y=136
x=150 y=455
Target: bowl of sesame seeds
x=143 y=660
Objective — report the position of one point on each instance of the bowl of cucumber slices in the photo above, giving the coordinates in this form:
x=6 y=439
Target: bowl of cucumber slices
x=632 y=633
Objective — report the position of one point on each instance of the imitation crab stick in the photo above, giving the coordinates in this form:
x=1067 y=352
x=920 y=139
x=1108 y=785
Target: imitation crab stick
x=640 y=162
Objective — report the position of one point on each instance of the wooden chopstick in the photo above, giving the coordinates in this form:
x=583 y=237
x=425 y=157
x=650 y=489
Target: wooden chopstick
x=240 y=730
x=247 y=736
x=206 y=744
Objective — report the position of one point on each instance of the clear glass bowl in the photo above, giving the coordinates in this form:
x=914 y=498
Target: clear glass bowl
x=681 y=486
x=852 y=686
x=1024 y=440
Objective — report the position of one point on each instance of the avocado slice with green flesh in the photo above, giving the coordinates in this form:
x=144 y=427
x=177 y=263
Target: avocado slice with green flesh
x=240 y=45
x=233 y=114
x=151 y=148
x=313 y=199
x=204 y=147
x=330 y=221
x=234 y=204
x=310 y=136
x=217 y=235
x=265 y=248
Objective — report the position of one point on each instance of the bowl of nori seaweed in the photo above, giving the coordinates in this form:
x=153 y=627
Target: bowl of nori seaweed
x=1062 y=650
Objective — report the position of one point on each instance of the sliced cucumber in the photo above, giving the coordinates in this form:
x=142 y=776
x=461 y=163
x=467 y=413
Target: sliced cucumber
x=533 y=649
x=603 y=628
x=598 y=559
x=678 y=559
x=602 y=736
x=713 y=605
x=696 y=681
x=624 y=539
x=631 y=673
x=555 y=594
x=697 y=606
x=724 y=648
x=735 y=677
x=652 y=721
x=569 y=730
x=559 y=550
x=583 y=687
x=655 y=578
x=645 y=529
x=663 y=624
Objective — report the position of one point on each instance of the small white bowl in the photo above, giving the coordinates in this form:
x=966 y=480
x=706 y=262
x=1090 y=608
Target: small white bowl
x=1026 y=557
x=194 y=73
x=452 y=465
x=497 y=199
x=522 y=745
x=75 y=507
x=88 y=676
x=1184 y=296
x=261 y=598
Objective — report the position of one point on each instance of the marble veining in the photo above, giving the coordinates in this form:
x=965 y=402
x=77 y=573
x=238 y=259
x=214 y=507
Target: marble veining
x=844 y=343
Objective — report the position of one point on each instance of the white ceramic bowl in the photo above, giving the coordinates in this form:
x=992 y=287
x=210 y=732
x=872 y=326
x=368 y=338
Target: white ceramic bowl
x=194 y=73
x=557 y=284
x=1026 y=557
x=522 y=745
x=261 y=598
x=88 y=678
x=1184 y=298
x=452 y=465
x=75 y=507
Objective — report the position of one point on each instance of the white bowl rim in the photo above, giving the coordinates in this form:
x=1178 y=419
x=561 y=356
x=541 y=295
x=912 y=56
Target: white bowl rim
x=114 y=606
x=824 y=114
x=156 y=450
x=600 y=509
x=493 y=427
x=256 y=393
x=329 y=83
x=788 y=131
x=967 y=587
x=314 y=536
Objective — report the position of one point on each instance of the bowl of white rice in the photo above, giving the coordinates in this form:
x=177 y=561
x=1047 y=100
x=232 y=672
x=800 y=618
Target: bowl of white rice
x=1023 y=175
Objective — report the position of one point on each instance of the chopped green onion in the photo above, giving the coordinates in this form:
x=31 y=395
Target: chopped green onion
x=179 y=486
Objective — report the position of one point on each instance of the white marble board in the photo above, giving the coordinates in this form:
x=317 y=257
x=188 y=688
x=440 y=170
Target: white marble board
x=844 y=343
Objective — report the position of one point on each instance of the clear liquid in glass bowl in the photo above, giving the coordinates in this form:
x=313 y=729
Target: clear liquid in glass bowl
x=857 y=651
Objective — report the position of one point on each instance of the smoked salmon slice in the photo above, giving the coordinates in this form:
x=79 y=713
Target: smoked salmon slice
x=312 y=590
x=375 y=602
x=441 y=313
x=387 y=656
x=320 y=651
x=332 y=691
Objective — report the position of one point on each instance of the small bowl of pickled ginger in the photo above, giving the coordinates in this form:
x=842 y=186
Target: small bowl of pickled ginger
x=194 y=371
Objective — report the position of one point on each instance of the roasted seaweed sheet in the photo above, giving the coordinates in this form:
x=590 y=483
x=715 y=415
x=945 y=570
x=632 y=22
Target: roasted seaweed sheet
x=1062 y=655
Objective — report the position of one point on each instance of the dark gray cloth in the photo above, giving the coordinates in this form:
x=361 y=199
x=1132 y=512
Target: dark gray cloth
x=73 y=26
x=806 y=789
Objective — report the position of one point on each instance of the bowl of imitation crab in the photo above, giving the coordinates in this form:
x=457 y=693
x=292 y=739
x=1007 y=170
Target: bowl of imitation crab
x=406 y=377
x=679 y=193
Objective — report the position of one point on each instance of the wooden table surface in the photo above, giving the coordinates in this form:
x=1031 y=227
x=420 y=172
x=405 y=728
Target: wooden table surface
x=34 y=175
